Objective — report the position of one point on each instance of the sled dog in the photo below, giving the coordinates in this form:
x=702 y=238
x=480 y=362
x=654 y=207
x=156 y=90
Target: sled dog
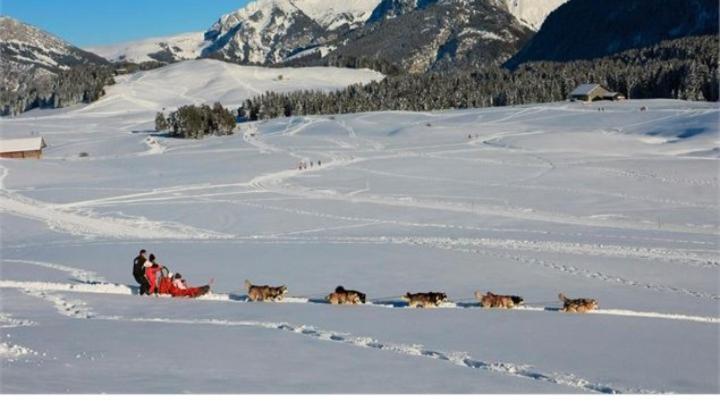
x=578 y=305
x=490 y=300
x=425 y=299
x=265 y=292
x=343 y=296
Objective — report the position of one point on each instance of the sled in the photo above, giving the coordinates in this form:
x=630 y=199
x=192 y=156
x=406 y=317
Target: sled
x=166 y=287
x=193 y=292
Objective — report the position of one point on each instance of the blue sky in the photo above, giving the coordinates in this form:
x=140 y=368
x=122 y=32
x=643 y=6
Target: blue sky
x=94 y=22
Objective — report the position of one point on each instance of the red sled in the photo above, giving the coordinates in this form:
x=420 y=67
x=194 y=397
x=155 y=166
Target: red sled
x=166 y=287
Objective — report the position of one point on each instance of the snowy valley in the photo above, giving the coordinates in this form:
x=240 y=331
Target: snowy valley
x=597 y=220
x=618 y=205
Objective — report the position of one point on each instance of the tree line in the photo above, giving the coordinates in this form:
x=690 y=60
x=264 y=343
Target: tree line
x=685 y=68
x=78 y=84
x=194 y=122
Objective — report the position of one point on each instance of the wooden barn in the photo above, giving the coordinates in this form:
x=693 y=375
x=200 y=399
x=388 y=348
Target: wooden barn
x=593 y=92
x=25 y=148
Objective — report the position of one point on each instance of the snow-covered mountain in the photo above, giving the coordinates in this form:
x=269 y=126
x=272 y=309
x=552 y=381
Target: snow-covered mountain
x=268 y=31
x=416 y=36
x=276 y=31
x=584 y=29
x=25 y=46
x=388 y=9
x=263 y=32
x=532 y=12
x=30 y=63
x=184 y=46
x=335 y=14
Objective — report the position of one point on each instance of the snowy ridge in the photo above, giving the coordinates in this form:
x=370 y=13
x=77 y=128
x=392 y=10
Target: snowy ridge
x=184 y=46
x=24 y=45
x=32 y=44
x=532 y=12
x=333 y=14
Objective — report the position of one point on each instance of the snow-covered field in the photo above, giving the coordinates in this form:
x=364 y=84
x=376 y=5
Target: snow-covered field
x=619 y=205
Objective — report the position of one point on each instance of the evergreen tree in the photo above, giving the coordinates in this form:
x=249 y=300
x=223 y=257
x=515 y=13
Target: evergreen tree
x=685 y=68
x=161 y=123
x=195 y=122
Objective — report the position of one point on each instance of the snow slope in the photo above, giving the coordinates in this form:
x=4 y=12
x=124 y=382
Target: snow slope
x=185 y=46
x=198 y=81
x=619 y=205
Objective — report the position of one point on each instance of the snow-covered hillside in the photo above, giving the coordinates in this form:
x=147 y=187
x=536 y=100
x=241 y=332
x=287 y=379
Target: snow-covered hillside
x=186 y=46
x=198 y=81
x=619 y=205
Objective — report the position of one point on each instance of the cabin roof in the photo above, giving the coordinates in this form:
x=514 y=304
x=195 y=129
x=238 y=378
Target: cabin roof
x=584 y=89
x=22 y=145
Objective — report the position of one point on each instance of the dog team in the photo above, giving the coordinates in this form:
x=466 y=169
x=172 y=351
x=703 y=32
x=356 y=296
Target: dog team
x=341 y=296
x=146 y=271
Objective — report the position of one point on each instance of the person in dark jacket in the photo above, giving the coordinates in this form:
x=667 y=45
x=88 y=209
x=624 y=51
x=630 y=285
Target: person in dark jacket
x=139 y=271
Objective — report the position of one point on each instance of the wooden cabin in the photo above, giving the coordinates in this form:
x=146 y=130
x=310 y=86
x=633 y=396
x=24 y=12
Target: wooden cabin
x=593 y=92
x=25 y=148
x=613 y=96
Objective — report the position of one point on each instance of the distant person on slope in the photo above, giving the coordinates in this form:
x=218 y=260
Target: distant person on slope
x=151 y=273
x=139 y=271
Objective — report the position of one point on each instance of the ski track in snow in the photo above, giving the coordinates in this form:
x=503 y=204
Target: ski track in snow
x=69 y=218
x=84 y=276
x=38 y=287
x=80 y=310
x=71 y=308
x=276 y=182
x=89 y=225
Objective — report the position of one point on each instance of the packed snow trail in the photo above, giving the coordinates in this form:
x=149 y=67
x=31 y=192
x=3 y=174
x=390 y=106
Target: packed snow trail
x=80 y=310
x=123 y=289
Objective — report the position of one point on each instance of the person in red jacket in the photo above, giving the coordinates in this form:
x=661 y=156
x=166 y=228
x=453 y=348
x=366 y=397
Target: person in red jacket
x=165 y=285
x=151 y=273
